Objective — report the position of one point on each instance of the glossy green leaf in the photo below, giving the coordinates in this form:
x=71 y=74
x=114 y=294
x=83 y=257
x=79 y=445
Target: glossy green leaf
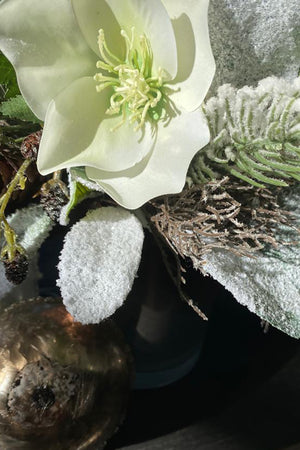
x=8 y=79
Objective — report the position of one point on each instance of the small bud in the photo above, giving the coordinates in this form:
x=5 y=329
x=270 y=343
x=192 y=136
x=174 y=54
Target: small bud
x=54 y=195
x=16 y=270
x=30 y=145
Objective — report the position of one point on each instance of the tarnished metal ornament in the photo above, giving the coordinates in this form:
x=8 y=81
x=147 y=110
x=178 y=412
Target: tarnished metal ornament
x=63 y=385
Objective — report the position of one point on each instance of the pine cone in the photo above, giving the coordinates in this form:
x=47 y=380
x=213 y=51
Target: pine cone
x=30 y=145
x=54 y=195
x=16 y=270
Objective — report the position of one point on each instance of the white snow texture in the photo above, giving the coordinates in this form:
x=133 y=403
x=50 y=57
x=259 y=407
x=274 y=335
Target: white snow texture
x=32 y=225
x=98 y=263
x=253 y=39
x=269 y=284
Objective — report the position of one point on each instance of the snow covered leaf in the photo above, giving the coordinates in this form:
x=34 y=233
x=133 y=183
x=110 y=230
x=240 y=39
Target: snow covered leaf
x=99 y=262
x=32 y=225
x=254 y=39
x=269 y=284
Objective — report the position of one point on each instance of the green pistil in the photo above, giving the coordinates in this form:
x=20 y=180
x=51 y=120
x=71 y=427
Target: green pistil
x=135 y=90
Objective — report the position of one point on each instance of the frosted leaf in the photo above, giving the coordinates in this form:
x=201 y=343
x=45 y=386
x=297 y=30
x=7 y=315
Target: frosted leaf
x=32 y=226
x=78 y=174
x=98 y=263
x=269 y=284
x=254 y=39
x=255 y=134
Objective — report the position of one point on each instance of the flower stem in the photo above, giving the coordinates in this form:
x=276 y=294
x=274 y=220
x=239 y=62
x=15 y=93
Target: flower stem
x=8 y=252
x=19 y=179
x=11 y=247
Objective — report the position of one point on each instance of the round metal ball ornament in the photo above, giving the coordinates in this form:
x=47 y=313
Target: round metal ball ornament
x=63 y=385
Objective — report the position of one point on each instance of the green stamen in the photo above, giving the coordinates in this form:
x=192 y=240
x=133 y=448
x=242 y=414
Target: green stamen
x=135 y=89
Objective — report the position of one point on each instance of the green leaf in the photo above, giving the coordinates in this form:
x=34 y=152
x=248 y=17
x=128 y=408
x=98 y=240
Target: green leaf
x=78 y=192
x=80 y=188
x=8 y=78
x=17 y=108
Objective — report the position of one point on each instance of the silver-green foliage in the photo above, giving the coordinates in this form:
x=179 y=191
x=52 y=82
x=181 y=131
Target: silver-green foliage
x=269 y=283
x=255 y=134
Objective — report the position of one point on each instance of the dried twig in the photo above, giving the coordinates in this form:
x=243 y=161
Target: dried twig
x=220 y=214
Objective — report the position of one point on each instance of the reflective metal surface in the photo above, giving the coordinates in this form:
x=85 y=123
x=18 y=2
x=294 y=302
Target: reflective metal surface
x=63 y=385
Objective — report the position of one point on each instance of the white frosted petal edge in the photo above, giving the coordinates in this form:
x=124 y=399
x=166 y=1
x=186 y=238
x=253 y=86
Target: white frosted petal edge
x=78 y=174
x=98 y=263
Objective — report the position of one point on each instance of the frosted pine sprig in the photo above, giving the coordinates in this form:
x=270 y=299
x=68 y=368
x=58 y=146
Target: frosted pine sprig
x=255 y=134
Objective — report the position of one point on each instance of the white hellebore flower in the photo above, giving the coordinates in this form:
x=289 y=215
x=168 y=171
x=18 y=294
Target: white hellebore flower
x=118 y=83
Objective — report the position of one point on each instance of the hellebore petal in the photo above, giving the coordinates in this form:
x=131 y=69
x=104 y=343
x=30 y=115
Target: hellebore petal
x=148 y=17
x=196 y=66
x=77 y=132
x=121 y=104
x=91 y=15
x=164 y=170
x=46 y=48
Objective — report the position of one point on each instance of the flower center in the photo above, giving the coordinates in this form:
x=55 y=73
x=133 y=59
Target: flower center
x=135 y=90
